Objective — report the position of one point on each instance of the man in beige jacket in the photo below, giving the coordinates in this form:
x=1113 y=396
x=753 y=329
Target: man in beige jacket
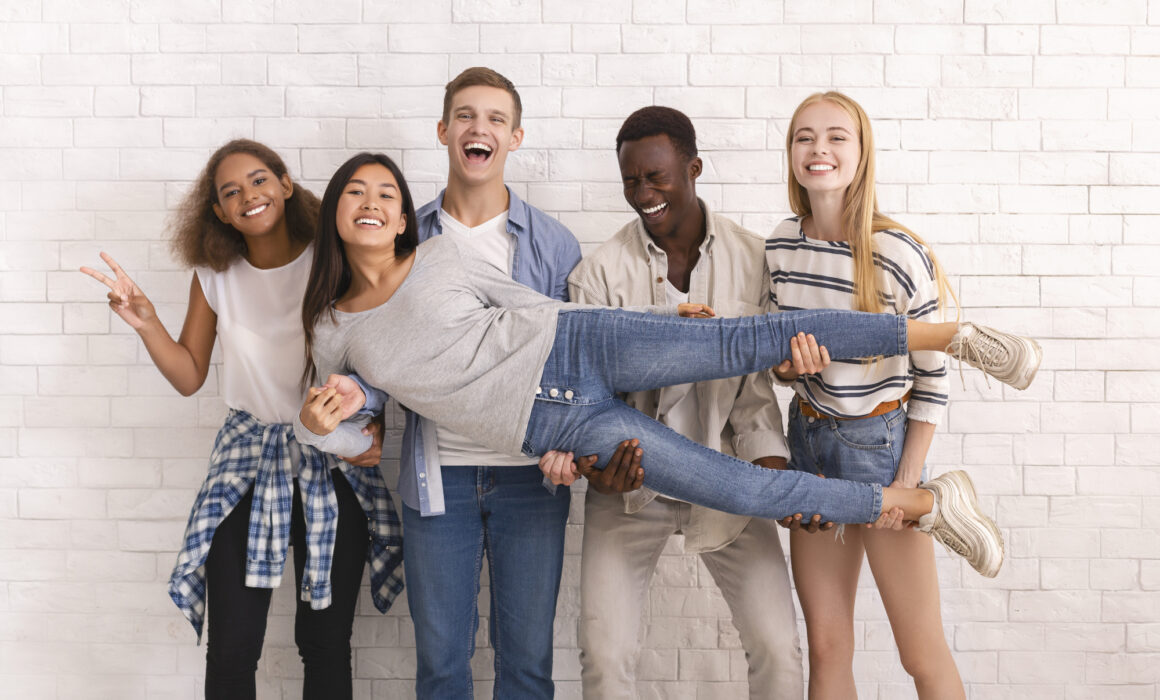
x=676 y=250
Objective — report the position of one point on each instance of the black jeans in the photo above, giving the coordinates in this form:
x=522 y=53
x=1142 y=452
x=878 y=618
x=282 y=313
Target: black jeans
x=237 y=614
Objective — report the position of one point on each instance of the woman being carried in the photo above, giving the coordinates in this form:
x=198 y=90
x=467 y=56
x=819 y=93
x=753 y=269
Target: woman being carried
x=446 y=334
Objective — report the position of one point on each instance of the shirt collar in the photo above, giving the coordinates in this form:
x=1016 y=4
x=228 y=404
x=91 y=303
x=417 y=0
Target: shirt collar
x=518 y=214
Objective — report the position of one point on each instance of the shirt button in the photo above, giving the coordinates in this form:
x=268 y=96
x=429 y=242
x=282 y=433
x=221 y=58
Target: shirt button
x=554 y=393
x=810 y=419
x=660 y=280
x=568 y=394
x=422 y=475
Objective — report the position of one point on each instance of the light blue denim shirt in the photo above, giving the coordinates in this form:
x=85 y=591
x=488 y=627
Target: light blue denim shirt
x=544 y=253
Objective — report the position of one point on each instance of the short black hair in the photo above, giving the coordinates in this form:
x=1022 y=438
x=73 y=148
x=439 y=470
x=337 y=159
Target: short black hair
x=650 y=121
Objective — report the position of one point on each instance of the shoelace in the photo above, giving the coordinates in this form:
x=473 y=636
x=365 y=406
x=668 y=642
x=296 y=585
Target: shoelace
x=981 y=349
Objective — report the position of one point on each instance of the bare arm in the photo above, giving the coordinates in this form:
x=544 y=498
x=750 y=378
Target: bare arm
x=919 y=435
x=185 y=361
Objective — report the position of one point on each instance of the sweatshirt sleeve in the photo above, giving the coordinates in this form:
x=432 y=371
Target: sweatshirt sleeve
x=916 y=295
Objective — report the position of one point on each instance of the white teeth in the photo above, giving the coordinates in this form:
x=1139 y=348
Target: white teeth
x=368 y=220
x=476 y=145
x=255 y=211
x=653 y=210
x=819 y=166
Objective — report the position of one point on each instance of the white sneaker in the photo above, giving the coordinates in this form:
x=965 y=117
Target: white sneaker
x=958 y=524
x=1012 y=359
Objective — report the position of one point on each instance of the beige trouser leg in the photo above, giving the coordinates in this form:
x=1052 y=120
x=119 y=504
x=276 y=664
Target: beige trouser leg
x=619 y=557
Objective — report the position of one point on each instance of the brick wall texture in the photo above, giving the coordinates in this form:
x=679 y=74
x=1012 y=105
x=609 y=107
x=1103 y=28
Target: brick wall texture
x=1022 y=138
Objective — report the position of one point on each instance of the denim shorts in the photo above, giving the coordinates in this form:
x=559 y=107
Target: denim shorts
x=863 y=449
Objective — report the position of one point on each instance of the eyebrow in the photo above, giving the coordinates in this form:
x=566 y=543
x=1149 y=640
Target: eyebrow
x=832 y=128
x=469 y=108
x=248 y=175
x=356 y=181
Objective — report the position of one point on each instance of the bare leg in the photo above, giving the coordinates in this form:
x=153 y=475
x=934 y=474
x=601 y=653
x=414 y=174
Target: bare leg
x=904 y=570
x=914 y=503
x=825 y=573
x=929 y=336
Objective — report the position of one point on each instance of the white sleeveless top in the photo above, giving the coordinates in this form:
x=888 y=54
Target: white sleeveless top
x=259 y=326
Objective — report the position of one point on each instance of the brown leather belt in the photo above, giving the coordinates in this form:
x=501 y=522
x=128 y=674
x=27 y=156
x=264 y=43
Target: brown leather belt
x=882 y=408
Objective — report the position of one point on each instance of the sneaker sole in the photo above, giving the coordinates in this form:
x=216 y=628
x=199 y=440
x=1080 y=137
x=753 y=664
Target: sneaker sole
x=975 y=527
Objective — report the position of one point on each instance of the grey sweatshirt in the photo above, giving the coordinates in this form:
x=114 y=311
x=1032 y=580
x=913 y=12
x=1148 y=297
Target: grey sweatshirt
x=459 y=343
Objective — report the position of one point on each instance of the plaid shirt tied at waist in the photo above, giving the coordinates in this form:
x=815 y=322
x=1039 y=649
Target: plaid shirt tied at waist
x=249 y=453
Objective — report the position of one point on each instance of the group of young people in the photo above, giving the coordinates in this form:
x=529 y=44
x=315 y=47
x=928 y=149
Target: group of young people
x=521 y=368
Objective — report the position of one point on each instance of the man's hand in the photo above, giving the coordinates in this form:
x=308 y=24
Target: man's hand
x=559 y=467
x=351 y=396
x=794 y=523
x=695 y=311
x=623 y=473
x=374 y=453
x=806 y=357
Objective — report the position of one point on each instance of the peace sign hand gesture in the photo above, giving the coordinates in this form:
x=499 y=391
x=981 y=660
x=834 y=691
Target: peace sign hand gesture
x=125 y=298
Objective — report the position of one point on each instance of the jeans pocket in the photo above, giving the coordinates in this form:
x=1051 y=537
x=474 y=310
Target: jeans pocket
x=863 y=433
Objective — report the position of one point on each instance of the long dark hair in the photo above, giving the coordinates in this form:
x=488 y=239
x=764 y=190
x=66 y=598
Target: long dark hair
x=330 y=272
x=200 y=237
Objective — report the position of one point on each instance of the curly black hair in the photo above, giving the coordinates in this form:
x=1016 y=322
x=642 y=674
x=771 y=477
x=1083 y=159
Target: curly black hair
x=650 y=121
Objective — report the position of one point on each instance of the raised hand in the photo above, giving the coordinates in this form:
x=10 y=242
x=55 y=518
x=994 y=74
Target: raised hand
x=125 y=298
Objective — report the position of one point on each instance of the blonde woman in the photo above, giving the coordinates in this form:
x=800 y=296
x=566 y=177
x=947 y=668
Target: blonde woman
x=861 y=420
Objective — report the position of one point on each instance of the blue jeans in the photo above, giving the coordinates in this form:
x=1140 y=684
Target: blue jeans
x=860 y=449
x=505 y=514
x=599 y=352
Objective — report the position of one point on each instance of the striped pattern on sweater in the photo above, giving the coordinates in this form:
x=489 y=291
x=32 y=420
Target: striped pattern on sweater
x=807 y=273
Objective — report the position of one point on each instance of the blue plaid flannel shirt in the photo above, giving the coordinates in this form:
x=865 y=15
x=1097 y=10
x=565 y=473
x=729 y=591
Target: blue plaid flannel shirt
x=248 y=452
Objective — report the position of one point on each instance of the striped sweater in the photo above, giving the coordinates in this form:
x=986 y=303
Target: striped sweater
x=806 y=273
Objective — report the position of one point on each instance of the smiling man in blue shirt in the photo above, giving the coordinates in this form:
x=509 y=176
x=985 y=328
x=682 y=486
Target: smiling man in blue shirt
x=463 y=501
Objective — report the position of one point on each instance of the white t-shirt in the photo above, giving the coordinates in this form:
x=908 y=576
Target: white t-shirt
x=494 y=246
x=259 y=327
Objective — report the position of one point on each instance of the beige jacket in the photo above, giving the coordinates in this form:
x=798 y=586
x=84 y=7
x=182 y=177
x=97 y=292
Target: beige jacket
x=738 y=416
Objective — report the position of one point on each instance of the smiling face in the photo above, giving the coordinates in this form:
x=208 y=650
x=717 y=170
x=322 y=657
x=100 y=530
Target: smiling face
x=249 y=197
x=659 y=184
x=370 y=208
x=825 y=151
x=479 y=133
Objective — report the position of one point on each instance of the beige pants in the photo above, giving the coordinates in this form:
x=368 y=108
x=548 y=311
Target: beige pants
x=620 y=555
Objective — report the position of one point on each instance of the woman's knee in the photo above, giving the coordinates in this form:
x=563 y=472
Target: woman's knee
x=829 y=647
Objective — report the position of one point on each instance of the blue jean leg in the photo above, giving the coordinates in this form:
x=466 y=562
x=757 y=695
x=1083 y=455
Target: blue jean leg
x=505 y=514
x=602 y=351
x=680 y=468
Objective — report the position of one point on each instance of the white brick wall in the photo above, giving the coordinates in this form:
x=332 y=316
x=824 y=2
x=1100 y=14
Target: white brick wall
x=1020 y=137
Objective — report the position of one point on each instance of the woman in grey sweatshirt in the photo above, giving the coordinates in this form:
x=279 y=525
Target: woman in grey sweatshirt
x=455 y=340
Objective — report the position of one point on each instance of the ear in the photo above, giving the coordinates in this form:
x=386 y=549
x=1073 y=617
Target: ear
x=441 y=132
x=695 y=166
x=221 y=215
x=516 y=139
x=287 y=186
x=402 y=224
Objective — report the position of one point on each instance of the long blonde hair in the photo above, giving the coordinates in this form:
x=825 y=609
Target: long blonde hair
x=860 y=215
